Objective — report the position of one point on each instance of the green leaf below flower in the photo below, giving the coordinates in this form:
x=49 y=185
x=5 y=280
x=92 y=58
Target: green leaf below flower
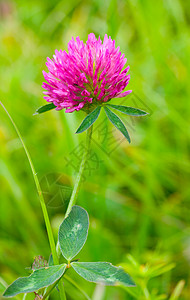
x=117 y=123
x=73 y=232
x=89 y=120
x=38 y=279
x=44 y=108
x=102 y=272
x=131 y=111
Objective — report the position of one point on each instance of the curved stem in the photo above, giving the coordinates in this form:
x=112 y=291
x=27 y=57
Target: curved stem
x=80 y=173
x=42 y=201
x=71 y=281
x=77 y=184
x=77 y=286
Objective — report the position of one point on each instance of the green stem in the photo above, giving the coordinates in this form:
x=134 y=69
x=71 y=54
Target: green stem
x=62 y=290
x=48 y=292
x=78 y=180
x=42 y=202
x=80 y=173
x=77 y=286
x=71 y=281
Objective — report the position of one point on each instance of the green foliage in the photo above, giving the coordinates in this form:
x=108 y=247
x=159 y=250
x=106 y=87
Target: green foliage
x=102 y=272
x=73 y=232
x=143 y=274
x=38 y=279
x=178 y=290
x=72 y=236
x=92 y=117
x=89 y=120
x=117 y=123
x=138 y=196
x=45 y=108
x=131 y=111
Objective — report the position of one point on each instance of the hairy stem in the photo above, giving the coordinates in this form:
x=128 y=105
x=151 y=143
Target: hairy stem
x=80 y=173
x=42 y=202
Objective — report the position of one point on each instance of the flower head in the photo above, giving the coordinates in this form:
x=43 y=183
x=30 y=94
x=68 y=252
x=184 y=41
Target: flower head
x=88 y=75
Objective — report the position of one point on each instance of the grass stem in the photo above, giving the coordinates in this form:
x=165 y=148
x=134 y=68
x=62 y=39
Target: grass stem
x=42 y=201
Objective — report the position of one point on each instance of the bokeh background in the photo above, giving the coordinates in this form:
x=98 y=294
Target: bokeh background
x=137 y=195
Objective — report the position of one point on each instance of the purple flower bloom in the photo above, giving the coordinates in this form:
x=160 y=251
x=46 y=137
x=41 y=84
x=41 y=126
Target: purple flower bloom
x=88 y=75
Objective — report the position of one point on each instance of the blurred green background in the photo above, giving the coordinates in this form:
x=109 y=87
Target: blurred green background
x=137 y=195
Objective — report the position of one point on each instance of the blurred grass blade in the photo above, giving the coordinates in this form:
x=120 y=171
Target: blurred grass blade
x=99 y=292
x=135 y=292
x=3 y=285
x=38 y=279
x=42 y=201
x=25 y=149
x=131 y=111
x=102 y=272
x=44 y=108
x=46 y=218
x=117 y=123
x=89 y=120
x=178 y=290
x=77 y=286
